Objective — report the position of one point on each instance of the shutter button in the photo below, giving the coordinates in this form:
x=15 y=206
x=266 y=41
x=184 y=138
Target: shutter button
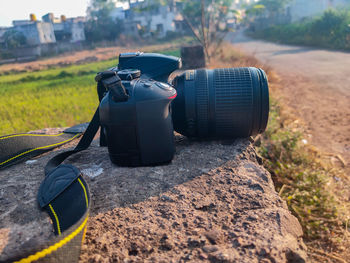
x=164 y=86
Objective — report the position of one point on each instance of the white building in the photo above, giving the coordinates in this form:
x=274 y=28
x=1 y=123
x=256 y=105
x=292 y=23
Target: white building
x=35 y=32
x=66 y=29
x=70 y=30
x=158 y=21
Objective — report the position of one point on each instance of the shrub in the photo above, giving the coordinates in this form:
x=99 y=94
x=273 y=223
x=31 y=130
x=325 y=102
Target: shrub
x=331 y=30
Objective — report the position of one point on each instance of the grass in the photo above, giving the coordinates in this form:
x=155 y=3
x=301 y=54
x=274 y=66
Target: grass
x=307 y=182
x=50 y=98
x=302 y=176
x=57 y=97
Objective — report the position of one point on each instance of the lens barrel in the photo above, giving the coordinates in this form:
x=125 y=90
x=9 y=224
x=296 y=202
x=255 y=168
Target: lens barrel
x=221 y=103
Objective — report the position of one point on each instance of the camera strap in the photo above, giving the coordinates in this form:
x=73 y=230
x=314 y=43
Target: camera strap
x=58 y=176
x=18 y=147
x=64 y=193
x=109 y=81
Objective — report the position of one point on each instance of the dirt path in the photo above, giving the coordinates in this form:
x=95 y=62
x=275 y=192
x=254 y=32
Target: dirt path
x=316 y=85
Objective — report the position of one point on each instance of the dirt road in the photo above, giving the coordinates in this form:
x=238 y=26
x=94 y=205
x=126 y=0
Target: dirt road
x=316 y=84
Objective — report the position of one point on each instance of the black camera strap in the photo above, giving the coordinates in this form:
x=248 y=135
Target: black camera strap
x=83 y=144
x=15 y=148
x=58 y=176
x=106 y=81
x=64 y=193
x=109 y=81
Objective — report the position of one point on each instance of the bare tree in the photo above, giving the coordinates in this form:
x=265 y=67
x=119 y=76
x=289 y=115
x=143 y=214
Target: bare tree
x=207 y=20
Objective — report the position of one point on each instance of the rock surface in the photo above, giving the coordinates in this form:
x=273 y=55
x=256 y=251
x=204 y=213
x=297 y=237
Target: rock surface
x=213 y=203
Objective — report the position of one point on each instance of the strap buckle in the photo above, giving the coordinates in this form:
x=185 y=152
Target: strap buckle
x=105 y=74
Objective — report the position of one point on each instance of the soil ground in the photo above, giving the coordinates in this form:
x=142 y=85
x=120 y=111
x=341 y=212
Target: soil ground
x=316 y=86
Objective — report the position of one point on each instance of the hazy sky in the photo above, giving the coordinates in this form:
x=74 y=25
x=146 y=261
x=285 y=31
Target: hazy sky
x=20 y=9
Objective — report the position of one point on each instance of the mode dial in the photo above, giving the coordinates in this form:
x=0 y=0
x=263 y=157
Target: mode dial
x=129 y=74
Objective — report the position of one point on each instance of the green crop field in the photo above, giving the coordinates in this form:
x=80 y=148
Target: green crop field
x=57 y=97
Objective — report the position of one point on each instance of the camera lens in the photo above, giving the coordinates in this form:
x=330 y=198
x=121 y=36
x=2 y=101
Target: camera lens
x=221 y=103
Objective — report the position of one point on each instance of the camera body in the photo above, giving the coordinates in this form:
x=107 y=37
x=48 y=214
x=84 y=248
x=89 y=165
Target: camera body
x=137 y=119
x=139 y=130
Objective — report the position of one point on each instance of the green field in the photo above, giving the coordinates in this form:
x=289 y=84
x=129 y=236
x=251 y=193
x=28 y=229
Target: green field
x=57 y=97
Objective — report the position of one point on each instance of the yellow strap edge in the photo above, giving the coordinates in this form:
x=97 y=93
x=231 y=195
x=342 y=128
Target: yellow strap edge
x=39 y=148
x=86 y=198
x=30 y=134
x=57 y=221
x=54 y=247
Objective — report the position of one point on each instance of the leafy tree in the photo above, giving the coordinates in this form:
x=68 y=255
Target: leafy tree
x=100 y=25
x=255 y=10
x=270 y=7
x=274 y=6
x=14 y=39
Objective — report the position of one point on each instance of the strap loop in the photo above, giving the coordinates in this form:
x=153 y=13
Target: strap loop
x=115 y=86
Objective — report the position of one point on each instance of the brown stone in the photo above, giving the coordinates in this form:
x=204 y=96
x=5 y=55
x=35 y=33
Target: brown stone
x=212 y=192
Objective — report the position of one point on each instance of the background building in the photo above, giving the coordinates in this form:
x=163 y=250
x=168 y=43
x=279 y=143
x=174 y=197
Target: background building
x=158 y=21
x=47 y=37
x=35 y=32
x=67 y=30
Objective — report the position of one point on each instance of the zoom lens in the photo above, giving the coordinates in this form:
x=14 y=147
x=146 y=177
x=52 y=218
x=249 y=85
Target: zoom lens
x=221 y=103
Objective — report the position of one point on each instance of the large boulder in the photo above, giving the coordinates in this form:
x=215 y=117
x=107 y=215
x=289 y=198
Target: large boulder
x=213 y=203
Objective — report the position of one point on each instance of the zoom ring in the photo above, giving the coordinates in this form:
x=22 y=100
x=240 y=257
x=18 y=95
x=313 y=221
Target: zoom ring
x=202 y=98
x=233 y=102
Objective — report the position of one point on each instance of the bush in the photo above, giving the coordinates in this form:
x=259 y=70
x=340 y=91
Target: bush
x=331 y=30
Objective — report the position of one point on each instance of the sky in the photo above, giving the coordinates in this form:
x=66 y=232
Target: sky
x=20 y=9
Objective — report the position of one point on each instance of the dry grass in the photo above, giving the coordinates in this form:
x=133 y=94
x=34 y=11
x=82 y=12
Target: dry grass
x=303 y=175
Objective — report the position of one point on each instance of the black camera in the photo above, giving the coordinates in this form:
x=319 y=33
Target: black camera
x=138 y=107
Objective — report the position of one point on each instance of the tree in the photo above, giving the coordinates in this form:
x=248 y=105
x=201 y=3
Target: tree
x=255 y=10
x=274 y=6
x=271 y=7
x=100 y=25
x=14 y=39
x=207 y=21
x=205 y=18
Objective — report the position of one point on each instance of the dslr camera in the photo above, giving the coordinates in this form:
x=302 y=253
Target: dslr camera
x=141 y=106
